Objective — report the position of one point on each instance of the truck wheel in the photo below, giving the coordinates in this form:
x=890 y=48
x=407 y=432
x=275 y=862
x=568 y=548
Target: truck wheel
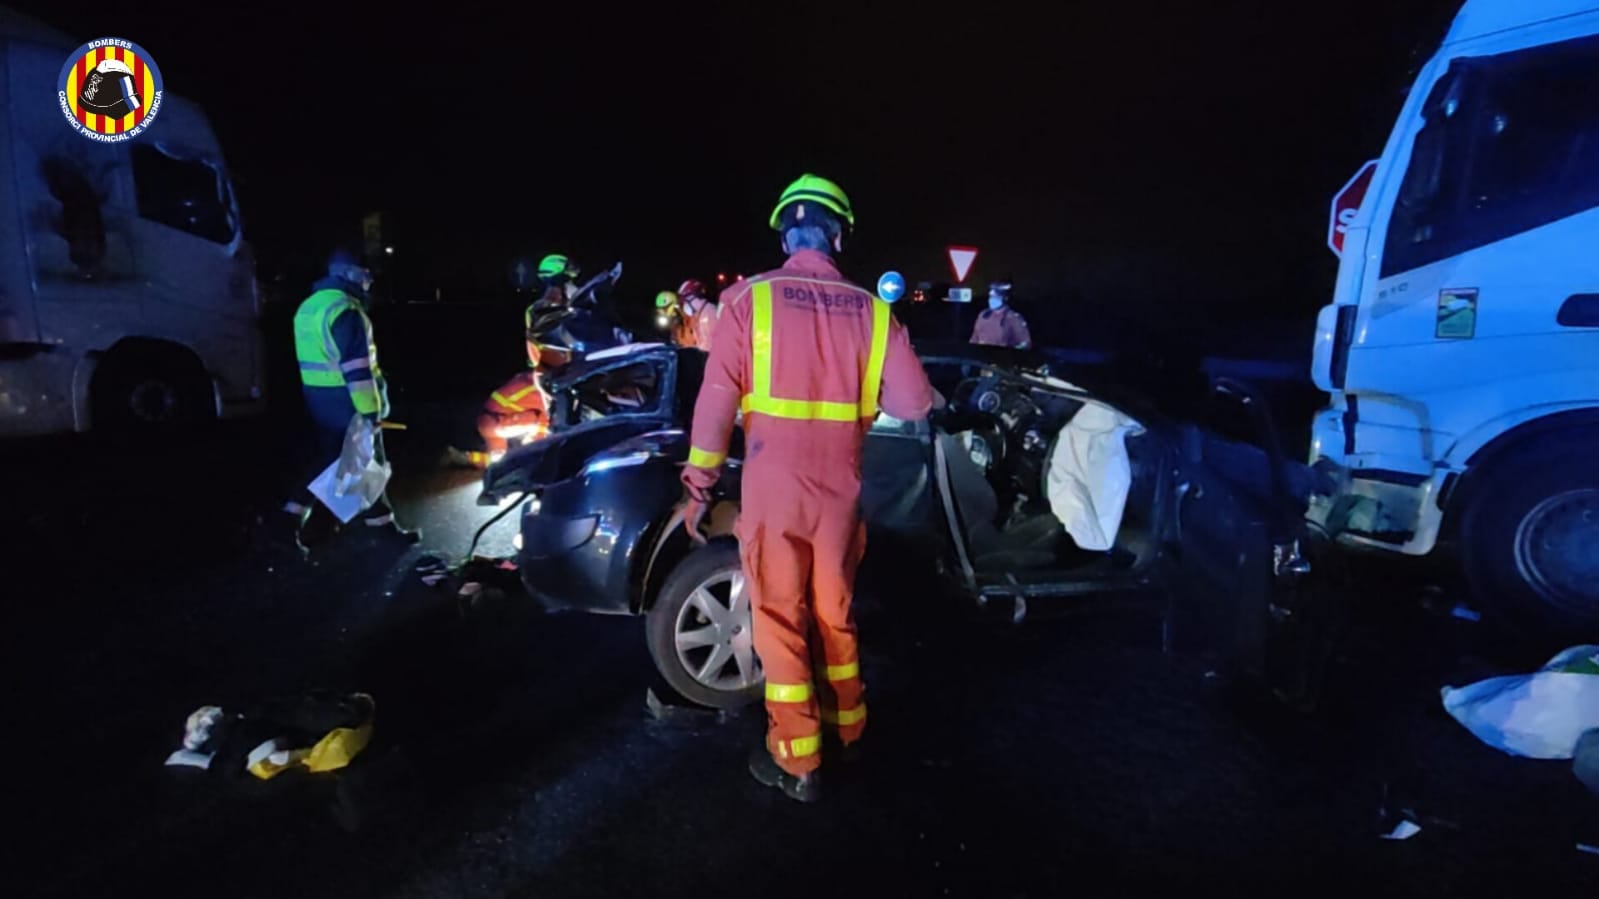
x=1531 y=542
x=139 y=391
x=699 y=630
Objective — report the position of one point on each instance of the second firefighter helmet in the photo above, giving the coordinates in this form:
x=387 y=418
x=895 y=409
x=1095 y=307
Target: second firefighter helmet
x=557 y=268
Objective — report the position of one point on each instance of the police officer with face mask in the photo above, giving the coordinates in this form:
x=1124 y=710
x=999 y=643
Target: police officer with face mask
x=1000 y=325
x=340 y=378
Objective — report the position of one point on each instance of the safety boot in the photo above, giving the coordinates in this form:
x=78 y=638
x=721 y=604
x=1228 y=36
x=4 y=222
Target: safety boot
x=316 y=528
x=806 y=788
x=380 y=520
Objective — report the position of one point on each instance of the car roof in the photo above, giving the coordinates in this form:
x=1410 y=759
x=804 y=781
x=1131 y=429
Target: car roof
x=606 y=360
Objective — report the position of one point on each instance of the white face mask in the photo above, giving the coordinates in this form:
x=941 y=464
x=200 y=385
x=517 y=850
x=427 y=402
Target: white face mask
x=996 y=302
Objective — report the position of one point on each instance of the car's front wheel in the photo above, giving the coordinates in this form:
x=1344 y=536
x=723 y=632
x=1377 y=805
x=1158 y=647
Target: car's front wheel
x=699 y=630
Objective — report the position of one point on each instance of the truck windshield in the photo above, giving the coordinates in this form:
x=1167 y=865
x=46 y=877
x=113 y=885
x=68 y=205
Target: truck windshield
x=190 y=195
x=1511 y=143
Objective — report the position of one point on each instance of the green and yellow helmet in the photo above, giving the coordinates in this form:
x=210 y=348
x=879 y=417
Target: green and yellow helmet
x=818 y=190
x=665 y=300
x=555 y=265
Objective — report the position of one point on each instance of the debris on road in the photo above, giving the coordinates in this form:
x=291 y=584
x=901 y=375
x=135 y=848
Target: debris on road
x=678 y=712
x=318 y=731
x=197 y=734
x=1399 y=819
x=1540 y=715
x=432 y=570
x=1404 y=830
x=1585 y=762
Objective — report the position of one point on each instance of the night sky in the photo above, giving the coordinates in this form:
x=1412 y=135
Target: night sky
x=1178 y=163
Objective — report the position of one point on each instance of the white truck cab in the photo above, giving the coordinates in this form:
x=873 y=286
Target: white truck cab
x=127 y=292
x=1461 y=350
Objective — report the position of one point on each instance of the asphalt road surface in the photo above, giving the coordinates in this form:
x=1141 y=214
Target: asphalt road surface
x=514 y=754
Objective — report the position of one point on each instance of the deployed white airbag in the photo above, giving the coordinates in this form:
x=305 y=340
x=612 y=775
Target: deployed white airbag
x=1089 y=475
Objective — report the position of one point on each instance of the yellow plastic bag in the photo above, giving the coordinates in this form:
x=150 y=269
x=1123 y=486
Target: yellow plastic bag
x=336 y=749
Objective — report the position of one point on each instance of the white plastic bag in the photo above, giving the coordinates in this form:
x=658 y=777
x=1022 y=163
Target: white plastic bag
x=1540 y=715
x=1089 y=475
x=355 y=480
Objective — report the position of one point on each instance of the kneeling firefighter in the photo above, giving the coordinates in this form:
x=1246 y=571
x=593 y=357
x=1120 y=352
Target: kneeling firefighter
x=516 y=413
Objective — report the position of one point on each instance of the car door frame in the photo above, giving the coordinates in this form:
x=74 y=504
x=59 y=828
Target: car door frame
x=1240 y=548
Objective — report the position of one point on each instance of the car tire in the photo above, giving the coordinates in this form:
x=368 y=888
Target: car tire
x=134 y=392
x=1528 y=541
x=699 y=630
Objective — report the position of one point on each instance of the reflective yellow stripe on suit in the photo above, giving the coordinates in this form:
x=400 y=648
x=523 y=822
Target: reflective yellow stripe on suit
x=760 y=398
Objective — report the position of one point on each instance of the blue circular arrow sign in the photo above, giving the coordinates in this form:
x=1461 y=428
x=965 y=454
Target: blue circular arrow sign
x=891 y=286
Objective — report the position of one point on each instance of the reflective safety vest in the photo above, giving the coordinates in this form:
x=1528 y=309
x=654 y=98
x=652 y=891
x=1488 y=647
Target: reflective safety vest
x=321 y=364
x=517 y=397
x=760 y=399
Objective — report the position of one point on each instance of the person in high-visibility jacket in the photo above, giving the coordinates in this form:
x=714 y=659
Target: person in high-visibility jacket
x=809 y=358
x=340 y=379
x=558 y=275
x=699 y=314
x=669 y=317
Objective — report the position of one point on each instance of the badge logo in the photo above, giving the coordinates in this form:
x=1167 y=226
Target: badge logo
x=110 y=90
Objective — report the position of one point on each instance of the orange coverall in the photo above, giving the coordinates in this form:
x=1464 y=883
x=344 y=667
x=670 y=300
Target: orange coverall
x=809 y=357
x=519 y=401
x=694 y=328
x=703 y=321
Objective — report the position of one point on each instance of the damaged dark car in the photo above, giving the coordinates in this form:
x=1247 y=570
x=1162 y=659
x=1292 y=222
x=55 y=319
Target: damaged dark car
x=1028 y=489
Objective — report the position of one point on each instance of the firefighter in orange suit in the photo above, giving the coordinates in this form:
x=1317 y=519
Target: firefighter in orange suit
x=517 y=411
x=809 y=358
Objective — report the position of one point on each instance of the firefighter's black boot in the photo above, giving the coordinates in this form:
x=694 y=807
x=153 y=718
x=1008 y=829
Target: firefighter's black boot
x=765 y=769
